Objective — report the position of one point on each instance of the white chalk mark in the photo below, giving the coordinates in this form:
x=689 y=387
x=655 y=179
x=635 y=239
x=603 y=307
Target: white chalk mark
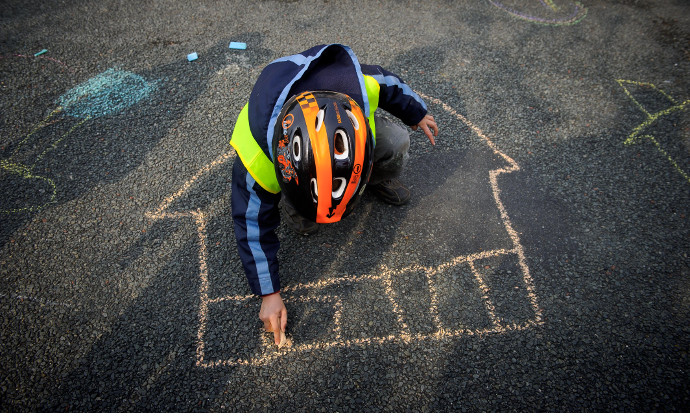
x=385 y=277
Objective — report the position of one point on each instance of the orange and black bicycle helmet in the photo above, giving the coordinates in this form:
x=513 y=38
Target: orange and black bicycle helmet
x=323 y=149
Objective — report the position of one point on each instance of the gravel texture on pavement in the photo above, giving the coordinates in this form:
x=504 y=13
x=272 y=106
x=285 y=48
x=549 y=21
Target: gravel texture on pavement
x=541 y=265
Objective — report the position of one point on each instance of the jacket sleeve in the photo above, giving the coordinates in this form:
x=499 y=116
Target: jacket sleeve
x=396 y=96
x=256 y=218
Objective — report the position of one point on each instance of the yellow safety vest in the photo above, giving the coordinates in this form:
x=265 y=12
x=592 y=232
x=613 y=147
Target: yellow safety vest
x=255 y=160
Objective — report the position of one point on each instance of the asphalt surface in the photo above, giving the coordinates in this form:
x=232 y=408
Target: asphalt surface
x=542 y=264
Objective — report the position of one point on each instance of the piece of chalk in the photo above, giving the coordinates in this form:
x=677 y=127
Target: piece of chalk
x=193 y=56
x=283 y=340
x=43 y=51
x=238 y=45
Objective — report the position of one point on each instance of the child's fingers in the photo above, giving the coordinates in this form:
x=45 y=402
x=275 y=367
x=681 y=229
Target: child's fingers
x=431 y=123
x=428 y=134
x=435 y=127
x=283 y=319
x=276 y=329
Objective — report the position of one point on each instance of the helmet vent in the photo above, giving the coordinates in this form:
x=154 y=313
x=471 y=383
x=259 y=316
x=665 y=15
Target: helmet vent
x=314 y=190
x=341 y=145
x=352 y=117
x=319 y=119
x=297 y=148
x=339 y=185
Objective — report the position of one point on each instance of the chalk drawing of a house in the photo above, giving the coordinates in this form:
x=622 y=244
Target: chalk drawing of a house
x=483 y=272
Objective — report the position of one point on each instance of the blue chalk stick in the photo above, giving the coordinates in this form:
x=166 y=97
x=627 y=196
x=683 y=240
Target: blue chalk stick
x=43 y=51
x=238 y=46
x=193 y=56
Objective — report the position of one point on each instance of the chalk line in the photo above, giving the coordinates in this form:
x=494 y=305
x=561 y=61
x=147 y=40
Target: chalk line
x=385 y=276
x=578 y=13
x=636 y=134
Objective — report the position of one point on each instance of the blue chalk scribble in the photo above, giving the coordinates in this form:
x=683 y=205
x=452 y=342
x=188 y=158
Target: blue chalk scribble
x=107 y=93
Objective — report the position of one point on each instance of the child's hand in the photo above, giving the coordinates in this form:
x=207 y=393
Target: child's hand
x=428 y=124
x=274 y=315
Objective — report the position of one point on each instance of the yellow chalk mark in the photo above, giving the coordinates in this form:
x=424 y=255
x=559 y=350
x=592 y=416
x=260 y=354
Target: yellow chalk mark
x=54 y=145
x=35 y=129
x=552 y=5
x=651 y=119
x=645 y=85
x=670 y=159
x=26 y=172
x=635 y=135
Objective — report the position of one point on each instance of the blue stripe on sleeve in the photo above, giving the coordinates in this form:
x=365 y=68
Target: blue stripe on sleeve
x=253 y=238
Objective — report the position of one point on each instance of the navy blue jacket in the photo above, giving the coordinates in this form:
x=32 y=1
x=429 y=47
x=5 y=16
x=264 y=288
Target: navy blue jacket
x=324 y=67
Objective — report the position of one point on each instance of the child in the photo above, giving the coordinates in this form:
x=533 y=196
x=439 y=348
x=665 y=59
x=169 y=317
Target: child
x=309 y=135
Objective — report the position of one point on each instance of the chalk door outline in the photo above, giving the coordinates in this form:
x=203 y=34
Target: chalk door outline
x=498 y=326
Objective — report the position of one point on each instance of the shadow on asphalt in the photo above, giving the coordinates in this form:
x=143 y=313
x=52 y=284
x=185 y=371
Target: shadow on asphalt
x=104 y=150
x=153 y=348
x=75 y=153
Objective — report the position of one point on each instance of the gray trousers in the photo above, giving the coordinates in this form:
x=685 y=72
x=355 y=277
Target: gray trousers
x=392 y=149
